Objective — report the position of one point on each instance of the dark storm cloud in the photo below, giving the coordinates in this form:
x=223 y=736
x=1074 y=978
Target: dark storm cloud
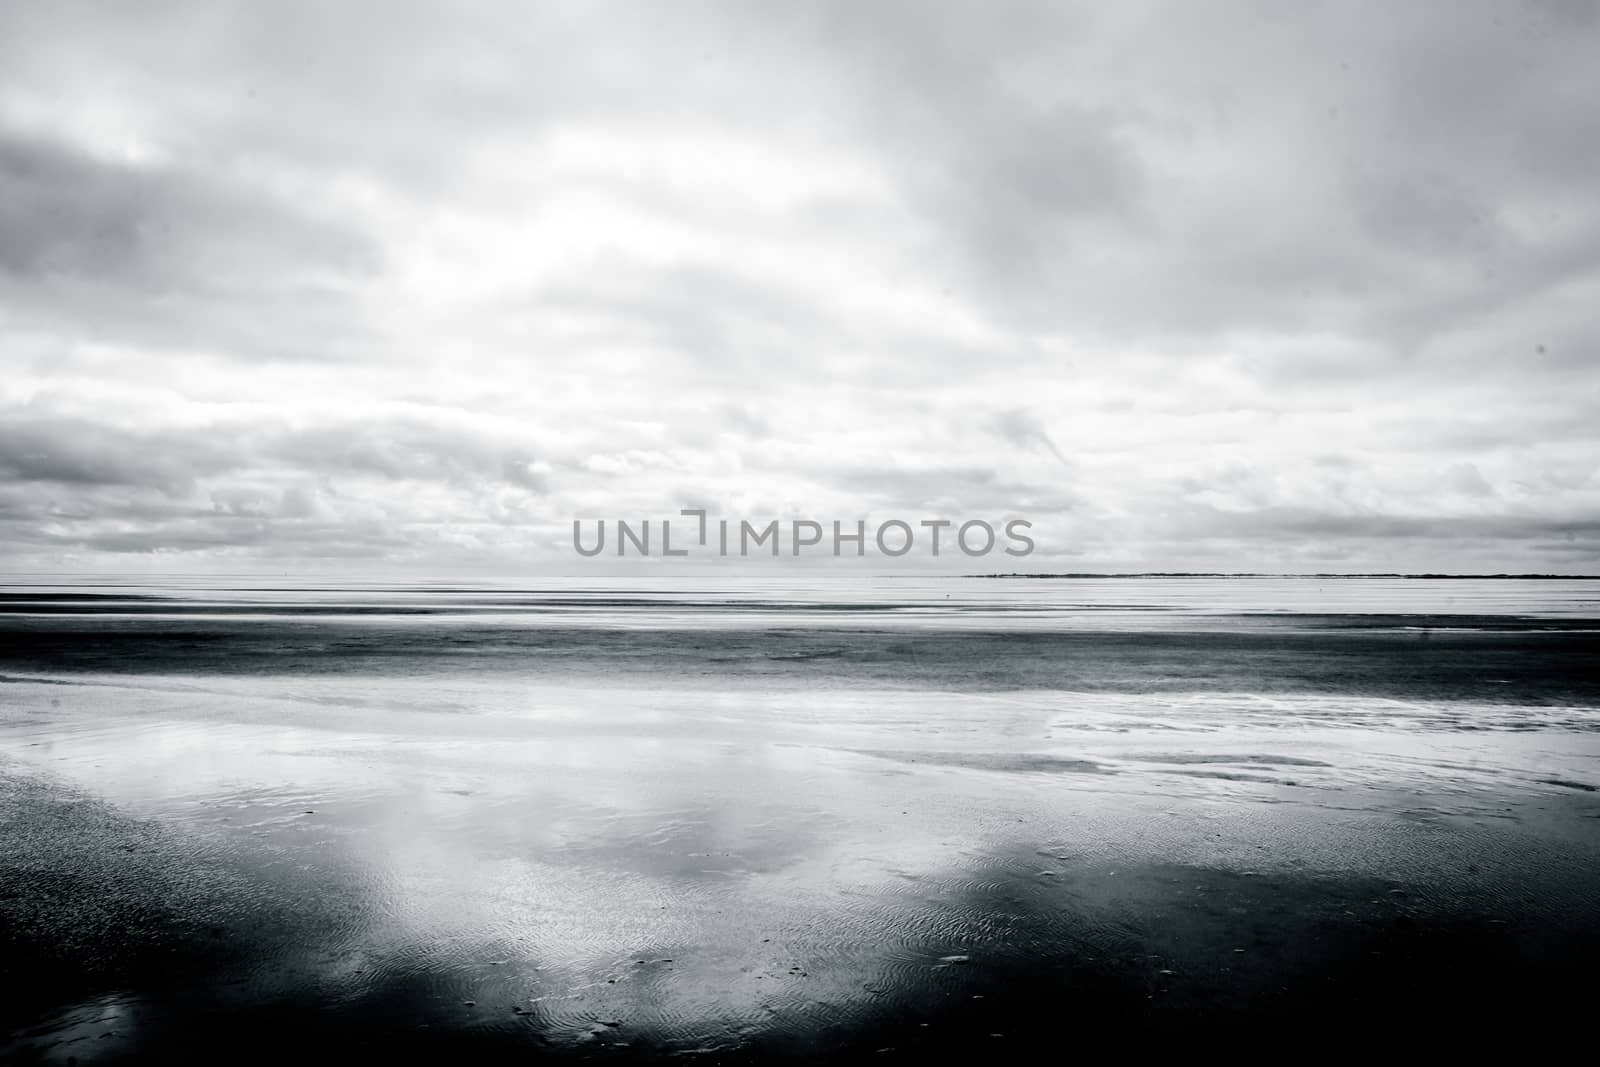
x=76 y=451
x=159 y=253
x=67 y=215
x=69 y=482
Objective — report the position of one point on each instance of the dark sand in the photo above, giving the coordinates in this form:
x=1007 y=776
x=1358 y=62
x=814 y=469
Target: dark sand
x=120 y=942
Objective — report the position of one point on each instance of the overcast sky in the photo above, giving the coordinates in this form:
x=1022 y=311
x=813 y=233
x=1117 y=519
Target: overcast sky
x=1238 y=286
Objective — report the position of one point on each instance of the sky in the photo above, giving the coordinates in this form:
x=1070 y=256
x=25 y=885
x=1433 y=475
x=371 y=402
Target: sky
x=1226 y=286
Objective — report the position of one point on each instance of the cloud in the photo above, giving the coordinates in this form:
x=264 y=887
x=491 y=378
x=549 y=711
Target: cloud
x=1229 y=286
x=1023 y=429
x=75 y=482
x=75 y=451
x=407 y=448
x=119 y=249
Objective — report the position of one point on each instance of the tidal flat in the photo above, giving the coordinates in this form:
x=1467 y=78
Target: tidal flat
x=799 y=820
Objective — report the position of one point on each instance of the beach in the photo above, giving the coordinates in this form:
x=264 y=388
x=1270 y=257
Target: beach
x=795 y=819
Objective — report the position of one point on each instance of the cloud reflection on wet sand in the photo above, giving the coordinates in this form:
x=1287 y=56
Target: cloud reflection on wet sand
x=468 y=859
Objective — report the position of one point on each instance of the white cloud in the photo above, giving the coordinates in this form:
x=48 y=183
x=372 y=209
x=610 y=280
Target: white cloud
x=1232 y=287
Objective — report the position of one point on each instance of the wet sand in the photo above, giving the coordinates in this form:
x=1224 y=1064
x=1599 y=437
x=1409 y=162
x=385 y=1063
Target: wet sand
x=271 y=837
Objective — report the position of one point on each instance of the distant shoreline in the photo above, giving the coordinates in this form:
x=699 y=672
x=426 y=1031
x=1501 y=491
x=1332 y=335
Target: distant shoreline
x=1257 y=574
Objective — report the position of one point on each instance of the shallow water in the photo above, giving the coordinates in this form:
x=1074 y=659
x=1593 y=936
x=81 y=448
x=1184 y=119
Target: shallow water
x=773 y=819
